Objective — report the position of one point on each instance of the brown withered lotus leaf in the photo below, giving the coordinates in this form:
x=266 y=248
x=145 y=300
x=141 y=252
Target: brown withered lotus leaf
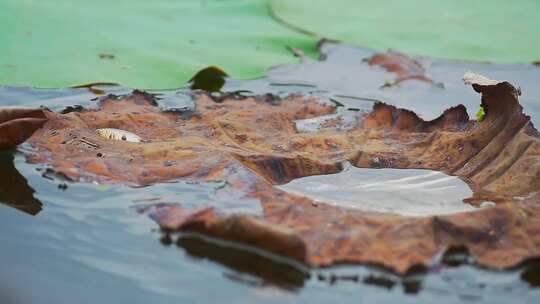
x=18 y=124
x=405 y=67
x=253 y=144
x=172 y=147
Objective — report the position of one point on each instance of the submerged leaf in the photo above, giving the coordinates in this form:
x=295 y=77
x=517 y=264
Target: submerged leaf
x=405 y=67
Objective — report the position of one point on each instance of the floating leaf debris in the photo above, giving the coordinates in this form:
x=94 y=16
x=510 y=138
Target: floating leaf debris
x=254 y=144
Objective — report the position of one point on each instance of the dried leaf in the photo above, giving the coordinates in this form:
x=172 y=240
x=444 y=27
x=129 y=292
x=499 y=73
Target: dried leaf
x=405 y=67
x=18 y=124
x=253 y=144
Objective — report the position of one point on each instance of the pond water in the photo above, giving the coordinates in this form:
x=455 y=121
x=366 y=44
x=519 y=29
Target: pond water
x=87 y=243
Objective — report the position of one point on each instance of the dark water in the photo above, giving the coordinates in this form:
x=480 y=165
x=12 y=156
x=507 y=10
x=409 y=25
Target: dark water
x=88 y=244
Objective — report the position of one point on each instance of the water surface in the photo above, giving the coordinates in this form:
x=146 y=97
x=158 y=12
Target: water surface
x=87 y=243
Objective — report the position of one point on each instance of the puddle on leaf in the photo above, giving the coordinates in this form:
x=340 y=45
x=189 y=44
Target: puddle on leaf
x=409 y=192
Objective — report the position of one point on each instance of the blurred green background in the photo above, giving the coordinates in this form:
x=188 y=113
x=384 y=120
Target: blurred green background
x=160 y=44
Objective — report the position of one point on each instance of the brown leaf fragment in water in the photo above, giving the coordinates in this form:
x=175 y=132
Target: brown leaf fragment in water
x=18 y=124
x=405 y=67
x=240 y=228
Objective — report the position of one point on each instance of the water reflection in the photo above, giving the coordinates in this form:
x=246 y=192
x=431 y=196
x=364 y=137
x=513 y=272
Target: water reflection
x=456 y=256
x=14 y=189
x=531 y=273
x=371 y=275
x=246 y=266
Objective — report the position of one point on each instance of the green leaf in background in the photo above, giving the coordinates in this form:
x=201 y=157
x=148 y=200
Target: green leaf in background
x=155 y=44
x=486 y=30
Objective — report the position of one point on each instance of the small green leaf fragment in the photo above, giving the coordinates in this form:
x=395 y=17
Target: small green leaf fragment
x=480 y=114
x=387 y=83
x=102 y=187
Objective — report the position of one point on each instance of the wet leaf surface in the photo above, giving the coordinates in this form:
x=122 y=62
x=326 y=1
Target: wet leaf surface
x=18 y=124
x=252 y=144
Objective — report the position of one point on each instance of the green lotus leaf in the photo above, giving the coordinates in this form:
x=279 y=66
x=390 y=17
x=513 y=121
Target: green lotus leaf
x=483 y=30
x=155 y=44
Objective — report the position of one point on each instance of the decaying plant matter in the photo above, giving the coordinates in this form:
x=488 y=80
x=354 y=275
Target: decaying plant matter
x=17 y=124
x=253 y=144
x=405 y=67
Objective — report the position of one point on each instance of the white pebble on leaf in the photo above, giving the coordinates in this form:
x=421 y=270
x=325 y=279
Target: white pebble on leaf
x=117 y=134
